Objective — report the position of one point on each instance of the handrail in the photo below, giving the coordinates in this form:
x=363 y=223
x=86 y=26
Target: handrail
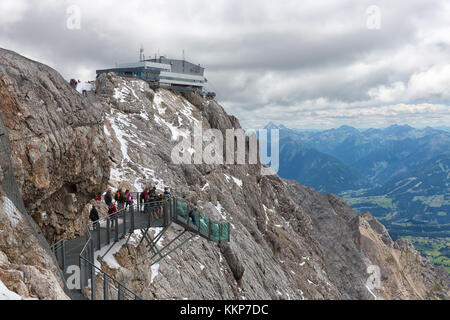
x=87 y=253
x=60 y=246
x=119 y=212
x=119 y=289
x=217 y=231
x=175 y=210
x=103 y=273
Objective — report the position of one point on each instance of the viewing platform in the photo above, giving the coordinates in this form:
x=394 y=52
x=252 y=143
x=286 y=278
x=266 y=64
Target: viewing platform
x=81 y=251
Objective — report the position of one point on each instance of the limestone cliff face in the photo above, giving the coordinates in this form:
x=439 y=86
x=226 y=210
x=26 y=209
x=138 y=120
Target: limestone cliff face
x=27 y=270
x=288 y=242
x=336 y=228
x=355 y=246
x=25 y=267
x=59 y=153
x=60 y=162
x=405 y=274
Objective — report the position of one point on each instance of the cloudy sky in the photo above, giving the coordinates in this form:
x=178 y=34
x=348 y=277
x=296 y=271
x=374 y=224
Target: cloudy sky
x=305 y=64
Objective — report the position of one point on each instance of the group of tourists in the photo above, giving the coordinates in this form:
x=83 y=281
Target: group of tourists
x=153 y=204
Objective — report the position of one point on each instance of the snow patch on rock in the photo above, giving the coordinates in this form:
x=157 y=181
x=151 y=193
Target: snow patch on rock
x=236 y=180
x=155 y=272
x=176 y=131
x=109 y=258
x=6 y=294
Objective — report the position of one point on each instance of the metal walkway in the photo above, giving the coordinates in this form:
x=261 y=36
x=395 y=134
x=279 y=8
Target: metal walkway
x=80 y=252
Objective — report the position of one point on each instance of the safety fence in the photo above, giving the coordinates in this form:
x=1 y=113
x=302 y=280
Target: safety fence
x=189 y=217
x=59 y=251
x=110 y=229
x=94 y=278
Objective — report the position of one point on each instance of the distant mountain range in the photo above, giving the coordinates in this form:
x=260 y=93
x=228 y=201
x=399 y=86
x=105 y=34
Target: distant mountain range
x=400 y=174
x=312 y=167
x=368 y=158
x=444 y=128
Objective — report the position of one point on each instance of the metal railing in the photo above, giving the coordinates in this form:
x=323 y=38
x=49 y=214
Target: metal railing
x=110 y=287
x=188 y=216
x=117 y=225
x=111 y=228
x=59 y=250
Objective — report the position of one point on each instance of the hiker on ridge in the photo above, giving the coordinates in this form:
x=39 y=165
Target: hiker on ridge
x=164 y=198
x=144 y=199
x=167 y=194
x=192 y=216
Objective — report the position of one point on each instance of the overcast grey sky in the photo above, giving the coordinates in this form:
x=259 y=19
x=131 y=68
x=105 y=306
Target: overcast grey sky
x=305 y=64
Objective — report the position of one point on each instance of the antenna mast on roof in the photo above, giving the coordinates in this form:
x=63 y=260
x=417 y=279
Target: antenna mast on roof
x=141 y=53
x=183 y=61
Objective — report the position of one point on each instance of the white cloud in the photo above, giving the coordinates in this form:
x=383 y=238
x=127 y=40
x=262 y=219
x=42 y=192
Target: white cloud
x=431 y=83
x=295 y=62
x=388 y=94
x=11 y=11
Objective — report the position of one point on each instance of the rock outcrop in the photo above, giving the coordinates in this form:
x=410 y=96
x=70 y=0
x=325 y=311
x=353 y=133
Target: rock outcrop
x=405 y=274
x=59 y=161
x=25 y=267
x=336 y=228
x=355 y=246
x=271 y=255
x=59 y=152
